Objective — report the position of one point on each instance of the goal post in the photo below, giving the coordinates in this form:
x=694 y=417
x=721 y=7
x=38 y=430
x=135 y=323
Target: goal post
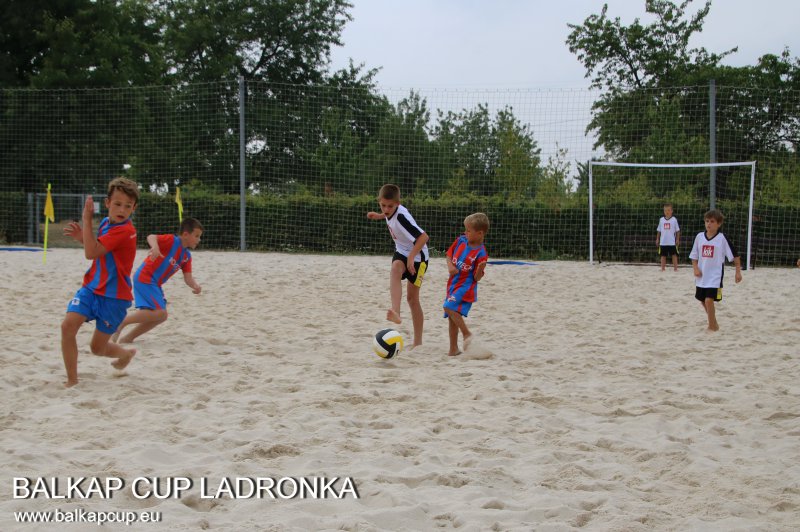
x=643 y=187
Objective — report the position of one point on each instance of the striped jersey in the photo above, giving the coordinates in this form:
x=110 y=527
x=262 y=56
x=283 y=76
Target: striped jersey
x=174 y=257
x=110 y=275
x=668 y=227
x=710 y=254
x=405 y=232
x=463 y=286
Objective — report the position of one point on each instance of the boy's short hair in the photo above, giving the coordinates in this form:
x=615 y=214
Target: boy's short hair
x=478 y=221
x=668 y=205
x=188 y=225
x=126 y=186
x=389 y=192
x=715 y=215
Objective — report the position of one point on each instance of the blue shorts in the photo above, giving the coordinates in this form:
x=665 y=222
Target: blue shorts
x=149 y=296
x=462 y=307
x=107 y=311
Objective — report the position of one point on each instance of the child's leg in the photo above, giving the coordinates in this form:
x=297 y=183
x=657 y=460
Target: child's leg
x=69 y=345
x=461 y=325
x=145 y=319
x=102 y=345
x=675 y=262
x=396 y=290
x=712 y=315
x=417 y=316
x=453 y=332
x=663 y=263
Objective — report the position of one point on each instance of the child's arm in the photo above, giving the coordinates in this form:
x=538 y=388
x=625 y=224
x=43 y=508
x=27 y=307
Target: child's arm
x=451 y=268
x=376 y=215
x=677 y=238
x=480 y=270
x=658 y=238
x=696 y=268
x=737 y=261
x=189 y=280
x=418 y=245
x=74 y=230
x=155 y=250
x=92 y=249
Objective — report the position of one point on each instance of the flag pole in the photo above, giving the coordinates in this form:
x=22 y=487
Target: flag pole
x=180 y=204
x=49 y=215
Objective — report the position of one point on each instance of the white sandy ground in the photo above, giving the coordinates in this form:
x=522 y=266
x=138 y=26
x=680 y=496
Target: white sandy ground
x=593 y=399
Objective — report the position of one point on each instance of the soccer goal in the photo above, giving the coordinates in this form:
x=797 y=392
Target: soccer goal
x=626 y=201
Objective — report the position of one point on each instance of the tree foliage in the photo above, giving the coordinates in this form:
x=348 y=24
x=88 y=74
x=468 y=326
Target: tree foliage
x=653 y=68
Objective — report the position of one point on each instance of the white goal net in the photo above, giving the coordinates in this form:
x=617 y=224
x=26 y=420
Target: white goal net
x=626 y=201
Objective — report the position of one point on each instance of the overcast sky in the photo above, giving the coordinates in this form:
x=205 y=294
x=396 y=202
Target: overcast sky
x=521 y=43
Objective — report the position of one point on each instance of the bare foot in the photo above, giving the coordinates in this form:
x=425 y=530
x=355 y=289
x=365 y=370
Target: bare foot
x=393 y=316
x=467 y=342
x=123 y=361
x=70 y=384
x=454 y=354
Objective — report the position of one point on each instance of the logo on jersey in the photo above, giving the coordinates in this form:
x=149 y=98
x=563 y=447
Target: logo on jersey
x=464 y=266
x=708 y=251
x=666 y=225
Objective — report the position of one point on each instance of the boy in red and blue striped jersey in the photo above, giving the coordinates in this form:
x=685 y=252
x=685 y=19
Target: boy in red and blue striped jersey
x=168 y=254
x=106 y=292
x=466 y=263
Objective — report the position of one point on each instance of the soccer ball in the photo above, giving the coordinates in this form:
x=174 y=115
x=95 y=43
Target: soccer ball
x=387 y=343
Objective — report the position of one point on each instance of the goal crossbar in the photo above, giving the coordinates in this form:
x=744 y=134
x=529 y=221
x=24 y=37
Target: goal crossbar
x=751 y=164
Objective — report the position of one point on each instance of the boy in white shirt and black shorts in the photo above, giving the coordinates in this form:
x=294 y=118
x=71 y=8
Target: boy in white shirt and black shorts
x=410 y=259
x=708 y=255
x=669 y=236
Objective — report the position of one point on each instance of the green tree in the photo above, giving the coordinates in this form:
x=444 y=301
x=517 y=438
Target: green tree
x=486 y=156
x=279 y=41
x=622 y=58
x=654 y=106
x=467 y=139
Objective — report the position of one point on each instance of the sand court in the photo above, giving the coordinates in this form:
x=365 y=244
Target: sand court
x=592 y=397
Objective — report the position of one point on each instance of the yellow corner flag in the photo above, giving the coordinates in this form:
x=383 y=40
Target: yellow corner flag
x=49 y=216
x=180 y=205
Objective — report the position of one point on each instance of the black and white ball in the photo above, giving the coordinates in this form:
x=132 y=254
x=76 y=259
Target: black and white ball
x=387 y=343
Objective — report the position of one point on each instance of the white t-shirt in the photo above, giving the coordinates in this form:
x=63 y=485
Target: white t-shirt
x=710 y=255
x=668 y=227
x=405 y=232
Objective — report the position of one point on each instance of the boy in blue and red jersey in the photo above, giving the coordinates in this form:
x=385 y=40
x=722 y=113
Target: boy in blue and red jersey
x=466 y=263
x=106 y=292
x=168 y=254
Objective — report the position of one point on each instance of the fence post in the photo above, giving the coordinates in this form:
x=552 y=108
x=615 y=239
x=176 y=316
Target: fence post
x=591 y=217
x=242 y=191
x=712 y=141
x=31 y=218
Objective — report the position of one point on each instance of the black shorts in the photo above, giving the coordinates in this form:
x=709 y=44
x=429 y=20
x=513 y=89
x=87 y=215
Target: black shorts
x=420 y=267
x=667 y=251
x=701 y=294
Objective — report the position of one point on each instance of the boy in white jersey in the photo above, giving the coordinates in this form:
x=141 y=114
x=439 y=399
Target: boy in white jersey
x=708 y=255
x=410 y=259
x=668 y=238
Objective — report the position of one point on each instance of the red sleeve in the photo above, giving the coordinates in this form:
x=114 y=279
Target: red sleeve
x=164 y=243
x=187 y=266
x=452 y=248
